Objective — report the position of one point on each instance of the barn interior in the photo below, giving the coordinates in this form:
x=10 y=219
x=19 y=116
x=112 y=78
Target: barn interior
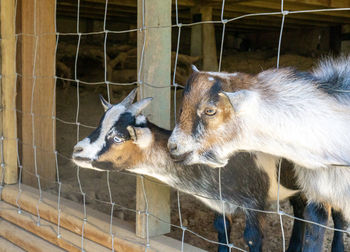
x=240 y=39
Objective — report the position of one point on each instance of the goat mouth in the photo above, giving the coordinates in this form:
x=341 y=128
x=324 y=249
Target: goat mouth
x=83 y=159
x=91 y=164
x=82 y=162
x=180 y=158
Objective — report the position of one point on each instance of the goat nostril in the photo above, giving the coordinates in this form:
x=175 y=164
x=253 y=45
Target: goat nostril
x=77 y=149
x=172 y=147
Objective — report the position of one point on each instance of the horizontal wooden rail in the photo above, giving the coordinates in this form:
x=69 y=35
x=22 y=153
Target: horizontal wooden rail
x=47 y=231
x=24 y=239
x=96 y=228
x=7 y=246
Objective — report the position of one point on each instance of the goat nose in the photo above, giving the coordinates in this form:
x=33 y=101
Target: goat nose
x=172 y=146
x=77 y=149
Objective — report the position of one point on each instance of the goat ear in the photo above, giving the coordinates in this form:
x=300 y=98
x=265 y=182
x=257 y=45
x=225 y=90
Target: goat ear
x=141 y=136
x=106 y=105
x=194 y=68
x=137 y=107
x=129 y=99
x=132 y=132
x=236 y=99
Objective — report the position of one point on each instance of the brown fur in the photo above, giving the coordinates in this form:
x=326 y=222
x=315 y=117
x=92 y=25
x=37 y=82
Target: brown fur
x=197 y=98
x=127 y=154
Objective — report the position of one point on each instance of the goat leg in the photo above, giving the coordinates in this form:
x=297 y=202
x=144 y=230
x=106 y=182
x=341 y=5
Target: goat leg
x=296 y=239
x=220 y=228
x=339 y=223
x=314 y=234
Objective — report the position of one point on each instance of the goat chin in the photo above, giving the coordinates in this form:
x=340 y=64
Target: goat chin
x=93 y=165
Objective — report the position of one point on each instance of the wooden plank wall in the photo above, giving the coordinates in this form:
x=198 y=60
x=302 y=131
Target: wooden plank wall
x=8 y=91
x=38 y=50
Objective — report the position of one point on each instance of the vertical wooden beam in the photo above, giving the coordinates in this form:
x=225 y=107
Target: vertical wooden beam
x=345 y=42
x=156 y=71
x=210 y=58
x=37 y=93
x=335 y=40
x=196 y=33
x=8 y=69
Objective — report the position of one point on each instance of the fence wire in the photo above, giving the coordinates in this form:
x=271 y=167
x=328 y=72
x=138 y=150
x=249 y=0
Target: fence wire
x=107 y=82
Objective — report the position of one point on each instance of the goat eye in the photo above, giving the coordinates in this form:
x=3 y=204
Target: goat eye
x=117 y=139
x=210 y=111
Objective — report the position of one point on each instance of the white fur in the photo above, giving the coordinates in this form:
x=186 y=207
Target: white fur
x=152 y=172
x=145 y=139
x=90 y=150
x=327 y=185
x=194 y=68
x=268 y=163
x=216 y=205
x=141 y=119
x=289 y=116
x=222 y=74
x=179 y=136
x=302 y=124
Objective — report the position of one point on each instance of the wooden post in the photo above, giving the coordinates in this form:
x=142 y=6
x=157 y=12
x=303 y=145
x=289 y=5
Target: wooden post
x=196 y=33
x=335 y=40
x=345 y=43
x=210 y=58
x=8 y=70
x=156 y=71
x=38 y=49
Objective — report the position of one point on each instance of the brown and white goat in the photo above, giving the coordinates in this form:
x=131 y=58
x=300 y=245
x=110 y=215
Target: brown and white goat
x=124 y=140
x=302 y=116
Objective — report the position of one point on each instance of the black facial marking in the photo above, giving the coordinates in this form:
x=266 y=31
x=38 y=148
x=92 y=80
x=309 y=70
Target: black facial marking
x=105 y=147
x=214 y=91
x=189 y=83
x=96 y=133
x=127 y=119
x=196 y=121
x=124 y=121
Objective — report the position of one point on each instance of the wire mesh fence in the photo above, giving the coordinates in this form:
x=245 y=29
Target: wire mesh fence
x=108 y=83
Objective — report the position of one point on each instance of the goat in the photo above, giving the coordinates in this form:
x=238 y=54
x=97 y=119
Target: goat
x=301 y=116
x=125 y=140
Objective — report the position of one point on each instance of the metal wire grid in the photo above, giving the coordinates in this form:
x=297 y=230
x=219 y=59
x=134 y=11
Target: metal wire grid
x=139 y=81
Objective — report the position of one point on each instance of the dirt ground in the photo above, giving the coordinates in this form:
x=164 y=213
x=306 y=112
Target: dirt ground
x=196 y=216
